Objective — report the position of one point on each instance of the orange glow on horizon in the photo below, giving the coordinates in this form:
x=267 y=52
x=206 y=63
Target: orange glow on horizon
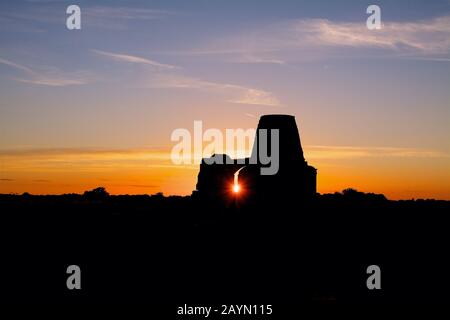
x=398 y=176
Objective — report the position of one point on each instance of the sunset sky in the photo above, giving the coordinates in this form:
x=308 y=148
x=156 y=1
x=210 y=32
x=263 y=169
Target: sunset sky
x=97 y=106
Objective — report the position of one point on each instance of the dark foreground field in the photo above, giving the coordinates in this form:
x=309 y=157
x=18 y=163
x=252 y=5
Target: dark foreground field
x=177 y=250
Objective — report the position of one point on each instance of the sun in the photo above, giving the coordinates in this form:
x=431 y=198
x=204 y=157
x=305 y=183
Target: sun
x=236 y=188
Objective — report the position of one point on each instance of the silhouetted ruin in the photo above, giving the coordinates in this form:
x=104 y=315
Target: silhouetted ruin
x=295 y=179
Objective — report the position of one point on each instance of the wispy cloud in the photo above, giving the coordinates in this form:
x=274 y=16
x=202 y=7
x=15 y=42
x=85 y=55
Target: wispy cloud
x=429 y=59
x=58 y=78
x=235 y=54
x=163 y=154
x=167 y=79
x=255 y=97
x=132 y=59
x=100 y=159
x=147 y=153
x=143 y=186
x=120 y=18
x=351 y=152
x=251 y=58
x=105 y=17
x=125 y=13
x=426 y=36
x=16 y=65
x=284 y=41
x=239 y=94
x=49 y=76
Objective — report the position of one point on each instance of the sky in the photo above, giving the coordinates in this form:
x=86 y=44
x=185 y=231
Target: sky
x=97 y=106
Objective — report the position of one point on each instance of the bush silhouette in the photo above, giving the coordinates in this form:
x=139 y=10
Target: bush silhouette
x=97 y=193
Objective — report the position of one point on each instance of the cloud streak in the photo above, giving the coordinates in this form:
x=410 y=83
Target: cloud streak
x=124 y=13
x=152 y=153
x=49 y=76
x=60 y=159
x=351 y=152
x=46 y=13
x=426 y=36
x=240 y=94
x=163 y=79
x=132 y=59
x=284 y=41
x=120 y=18
x=16 y=65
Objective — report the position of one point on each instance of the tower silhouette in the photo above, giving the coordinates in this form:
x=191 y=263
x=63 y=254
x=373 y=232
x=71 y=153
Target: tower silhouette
x=295 y=179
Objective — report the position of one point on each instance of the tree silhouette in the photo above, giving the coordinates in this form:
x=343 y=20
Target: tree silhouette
x=97 y=193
